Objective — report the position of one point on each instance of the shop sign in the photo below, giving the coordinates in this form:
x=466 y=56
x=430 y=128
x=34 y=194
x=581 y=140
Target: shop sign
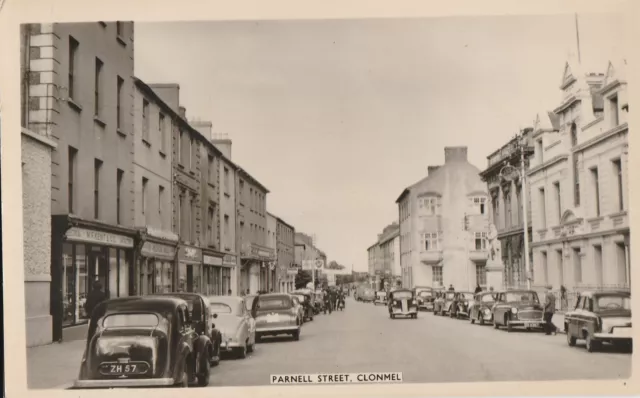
x=98 y=237
x=190 y=254
x=256 y=251
x=211 y=260
x=152 y=249
x=229 y=259
x=293 y=269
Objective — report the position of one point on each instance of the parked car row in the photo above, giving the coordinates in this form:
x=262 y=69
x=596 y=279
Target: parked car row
x=174 y=339
x=597 y=318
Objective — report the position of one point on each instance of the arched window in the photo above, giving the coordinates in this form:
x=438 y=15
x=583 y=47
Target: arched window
x=574 y=134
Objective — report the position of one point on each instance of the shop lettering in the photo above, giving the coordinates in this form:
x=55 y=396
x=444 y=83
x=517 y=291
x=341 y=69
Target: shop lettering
x=151 y=249
x=229 y=259
x=211 y=260
x=105 y=238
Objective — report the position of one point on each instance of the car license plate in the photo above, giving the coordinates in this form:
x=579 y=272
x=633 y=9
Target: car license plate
x=273 y=318
x=531 y=324
x=124 y=369
x=622 y=332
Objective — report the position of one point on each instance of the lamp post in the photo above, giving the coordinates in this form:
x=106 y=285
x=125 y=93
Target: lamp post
x=507 y=172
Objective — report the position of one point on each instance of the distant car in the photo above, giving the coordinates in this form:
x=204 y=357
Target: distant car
x=518 y=308
x=461 y=304
x=142 y=342
x=276 y=314
x=402 y=302
x=367 y=295
x=299 y=307
x=600 y=317
x=425 y=300
x=304 y=299
x=235 y=324
x=442 y=305
x=381 y=298
x=480 y=310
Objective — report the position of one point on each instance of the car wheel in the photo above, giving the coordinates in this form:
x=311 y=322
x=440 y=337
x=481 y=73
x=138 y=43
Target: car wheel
x=591 y=345
x=204 y=375
x=571 y=340
x=471 y=319
x=495 y=324
x=509 y=327
x=216 y=355
x=242 y=351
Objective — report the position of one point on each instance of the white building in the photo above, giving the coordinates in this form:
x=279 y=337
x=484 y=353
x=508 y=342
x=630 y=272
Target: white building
x=579 y=183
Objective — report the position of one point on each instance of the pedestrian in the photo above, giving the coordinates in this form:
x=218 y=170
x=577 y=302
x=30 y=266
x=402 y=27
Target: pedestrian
x=478 y=288
x=451 y=289
x=95 y=297
x=549 y=309
x=563 y=298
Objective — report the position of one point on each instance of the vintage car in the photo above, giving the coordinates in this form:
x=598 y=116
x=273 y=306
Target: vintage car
x=276 y=314
x=304 y=298
x=461 y=303
x=319 y=304
x=201 y=317
x=442 y=305
x=519 y=308
x=143 y=342
x=365 y=294
x=425 y=298
x=235 y=323
x=480 y=310
x=402 y=302
x=299 y=307
x=599 y=317
x=381 y=298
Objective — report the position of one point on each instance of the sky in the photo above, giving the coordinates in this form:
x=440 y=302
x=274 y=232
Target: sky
x=337 y=117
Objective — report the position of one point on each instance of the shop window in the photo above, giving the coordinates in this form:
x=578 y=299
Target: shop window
x=82 y=282
x=437 y=275
x=68 y=285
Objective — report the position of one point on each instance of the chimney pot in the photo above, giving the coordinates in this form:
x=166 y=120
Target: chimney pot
x=183 y=112
x=432 y=169
x=455 y=154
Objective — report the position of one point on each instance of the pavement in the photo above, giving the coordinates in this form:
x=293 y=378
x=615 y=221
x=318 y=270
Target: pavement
x=362 y=338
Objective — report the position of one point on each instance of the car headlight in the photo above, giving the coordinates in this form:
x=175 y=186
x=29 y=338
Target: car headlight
x=486 y=311
x=514 y=310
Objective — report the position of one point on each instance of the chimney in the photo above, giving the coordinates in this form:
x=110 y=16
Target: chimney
x=183 y=112
x=203 y=127
x=455 y=154
x=431 y=169
x=223 y=143
x=169 y=93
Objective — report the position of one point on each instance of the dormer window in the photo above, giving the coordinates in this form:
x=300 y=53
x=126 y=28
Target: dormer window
x=478 y=204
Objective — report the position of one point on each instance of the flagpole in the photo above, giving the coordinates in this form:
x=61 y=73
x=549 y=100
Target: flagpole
x=578 y=38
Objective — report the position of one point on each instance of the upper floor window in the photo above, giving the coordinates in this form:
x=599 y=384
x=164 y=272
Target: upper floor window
x=481 y=240
x=538 y=151
x=574 y=134
x=429 y=206
x=478 y=204
x=430 y=241
x=614 y=110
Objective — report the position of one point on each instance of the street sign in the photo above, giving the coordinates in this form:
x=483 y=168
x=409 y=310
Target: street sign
x=319 y=264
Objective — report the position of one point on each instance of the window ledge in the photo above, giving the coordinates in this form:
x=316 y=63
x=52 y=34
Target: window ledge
x=226 y=194
x=211 y=185
x=162 y=153
x=122 y=133
x=181 y=166
x=103 y=23
x=147 y=143
x=77 y=107
x=618 y=214
x=99 y=121
x=594 y=219
x=121 y=40
x=192 y=172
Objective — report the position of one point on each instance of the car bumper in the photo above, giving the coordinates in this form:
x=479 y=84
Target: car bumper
x=277 y=329
x=124 y=383
x=613 y=337
x=528 y=324
x=230 y=345
x=428 y=306
x=400 y=312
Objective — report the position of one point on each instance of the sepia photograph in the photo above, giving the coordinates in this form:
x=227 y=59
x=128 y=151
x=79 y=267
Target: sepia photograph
x=307 y=202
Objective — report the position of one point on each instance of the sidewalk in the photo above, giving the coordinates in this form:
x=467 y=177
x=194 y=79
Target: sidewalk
x=54 y=365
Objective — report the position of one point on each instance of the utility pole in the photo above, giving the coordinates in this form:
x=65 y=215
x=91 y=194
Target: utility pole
x=523 y=178
x=578 y=39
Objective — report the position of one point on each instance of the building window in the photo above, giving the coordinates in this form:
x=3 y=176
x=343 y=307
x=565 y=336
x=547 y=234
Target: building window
x=145 y=120
x=241 y=191
x=180 y=153
x=481 y=240
x=119 y=176
x=574 y=134
x=539 y=150
x=98 y=86
x=615 y=113
x=617 y=170
x=436 y=275
x=210 y=214
x=576 y=183
x=597 y=260
x=508 y=211
x=429 y=206
x=211 y=171
x=226 y=180
x=556 y=188
x=543 y=208
x=160 y=205
x=192 y=210
x=189 y=152
x=119 y=29
x=577 y=266
x=73 y=51
x=479 y=204
x=596 y=190
x=622 y=262
x=96 y=188
x=519 y=203
x=430 y=241
x=481 y=275
x=73 y=155
x=162 y=128
x=180 y=215
x=496 y=212
x=145 y=183
x=193 y=154
x=119 y=103
x=545 y=268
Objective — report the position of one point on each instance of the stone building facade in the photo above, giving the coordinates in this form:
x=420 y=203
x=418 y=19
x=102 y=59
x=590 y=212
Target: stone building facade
x=579 y=183
x=285 y=254
x=444 y=221
x=384 y=258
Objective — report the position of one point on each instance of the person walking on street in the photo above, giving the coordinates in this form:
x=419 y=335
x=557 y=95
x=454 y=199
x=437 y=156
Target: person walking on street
x=478 y=289
x=549 y=309
x=95 y=297
x=563 y=298
x=451 y=289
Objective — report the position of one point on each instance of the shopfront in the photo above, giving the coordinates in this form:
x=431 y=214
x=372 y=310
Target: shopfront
x=212 y=274
x=83 y=253
x=228 y=268
x=157 y=267
x=189 y=277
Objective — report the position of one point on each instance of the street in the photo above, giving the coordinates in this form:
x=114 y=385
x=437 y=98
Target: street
x=430 y=349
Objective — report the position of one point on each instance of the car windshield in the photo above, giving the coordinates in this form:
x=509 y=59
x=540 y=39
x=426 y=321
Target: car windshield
x=425 y=294
x=450 y=295
x=527 y=297
x=131 y=321
x=382 y=294
x=401 y=295
x=486 y=298
x=273 y=303
x=466 y=296
x=614 y=303
x=219 y=308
